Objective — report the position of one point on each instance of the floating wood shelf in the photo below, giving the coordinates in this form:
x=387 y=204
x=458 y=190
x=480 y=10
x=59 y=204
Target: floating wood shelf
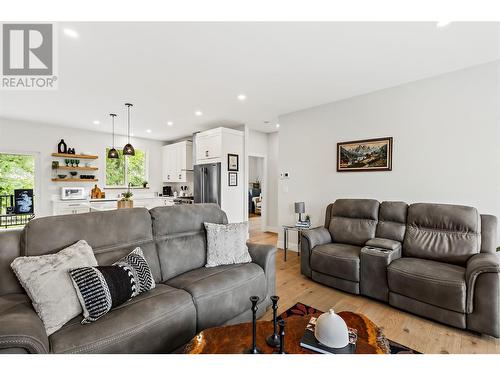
x=74 y=180
x=74 y=156
x=77 y=168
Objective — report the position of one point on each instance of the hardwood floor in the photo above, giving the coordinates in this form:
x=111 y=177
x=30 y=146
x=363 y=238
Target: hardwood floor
x=407 y=329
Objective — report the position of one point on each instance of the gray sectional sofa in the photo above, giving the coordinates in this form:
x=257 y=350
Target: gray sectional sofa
x=434 y=260
x=187 y=299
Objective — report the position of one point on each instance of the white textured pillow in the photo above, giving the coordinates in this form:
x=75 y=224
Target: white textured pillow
x=47 y=282
x=227 y=244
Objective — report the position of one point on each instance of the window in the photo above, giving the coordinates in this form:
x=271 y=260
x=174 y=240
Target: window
x=17 y=182
x=131 y=170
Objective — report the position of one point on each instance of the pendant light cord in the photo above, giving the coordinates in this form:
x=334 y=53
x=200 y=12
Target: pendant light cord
x=128 y=110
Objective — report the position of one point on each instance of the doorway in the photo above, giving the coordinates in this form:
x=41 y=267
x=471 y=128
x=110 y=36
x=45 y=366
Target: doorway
x=256 y=193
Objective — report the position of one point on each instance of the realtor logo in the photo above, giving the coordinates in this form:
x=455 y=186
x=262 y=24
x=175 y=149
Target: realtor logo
x=28 y=56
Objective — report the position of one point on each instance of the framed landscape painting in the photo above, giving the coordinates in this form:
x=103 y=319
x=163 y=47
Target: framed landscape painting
x=365 y=155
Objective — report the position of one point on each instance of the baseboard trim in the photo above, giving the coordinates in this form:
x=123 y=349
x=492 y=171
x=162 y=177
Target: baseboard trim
x=291 y=246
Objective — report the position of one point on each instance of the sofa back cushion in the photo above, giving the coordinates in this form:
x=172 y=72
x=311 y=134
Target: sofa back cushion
x=10 y=249
x=111 y=234
x=392 y=220
x=353 y=221
x=442 y=232
x=180 y=236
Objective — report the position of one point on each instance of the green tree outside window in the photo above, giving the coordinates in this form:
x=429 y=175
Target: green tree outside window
x=124 y=170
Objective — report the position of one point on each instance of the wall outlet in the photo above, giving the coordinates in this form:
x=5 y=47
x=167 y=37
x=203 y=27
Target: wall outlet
x=285 y=175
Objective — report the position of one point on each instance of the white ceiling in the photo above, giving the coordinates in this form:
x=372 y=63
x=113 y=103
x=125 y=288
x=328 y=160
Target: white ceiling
x=170 y=70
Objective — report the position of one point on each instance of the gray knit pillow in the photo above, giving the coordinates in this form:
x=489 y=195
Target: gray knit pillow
x=47 y=282
x=227 y=244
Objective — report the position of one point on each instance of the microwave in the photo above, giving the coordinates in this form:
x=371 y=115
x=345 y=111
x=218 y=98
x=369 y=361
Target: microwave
x=73 y=193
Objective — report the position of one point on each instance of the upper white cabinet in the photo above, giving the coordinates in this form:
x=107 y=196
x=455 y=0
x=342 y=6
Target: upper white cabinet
x=208 y=146
x=177 y=161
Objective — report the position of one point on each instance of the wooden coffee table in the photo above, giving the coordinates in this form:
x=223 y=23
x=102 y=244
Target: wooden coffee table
x=235 y=339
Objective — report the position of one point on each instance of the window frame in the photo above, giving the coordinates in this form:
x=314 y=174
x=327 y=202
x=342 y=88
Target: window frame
x=146 y=164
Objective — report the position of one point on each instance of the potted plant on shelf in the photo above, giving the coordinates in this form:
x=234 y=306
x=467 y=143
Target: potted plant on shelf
x=144 y=184
x=126 y=200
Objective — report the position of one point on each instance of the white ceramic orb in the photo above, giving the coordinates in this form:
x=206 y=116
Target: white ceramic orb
x=331 y=330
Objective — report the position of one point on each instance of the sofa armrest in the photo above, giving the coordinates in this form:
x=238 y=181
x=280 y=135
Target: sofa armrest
x=310 y=239
x=317 y=236
x=383 y=243
x=265 y=256
x=479 y=264
x=20 y=326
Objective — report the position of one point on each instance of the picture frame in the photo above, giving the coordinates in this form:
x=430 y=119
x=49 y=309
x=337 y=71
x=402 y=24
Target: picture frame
x=365 y=155
x=233 y=163
x=232 y=179
x=23 y=199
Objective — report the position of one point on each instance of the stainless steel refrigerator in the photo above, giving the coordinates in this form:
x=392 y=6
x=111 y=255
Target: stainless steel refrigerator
x=207 y=183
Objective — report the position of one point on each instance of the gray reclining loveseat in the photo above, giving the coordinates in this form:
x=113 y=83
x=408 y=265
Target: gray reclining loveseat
x=187 y=299
x=434 y=260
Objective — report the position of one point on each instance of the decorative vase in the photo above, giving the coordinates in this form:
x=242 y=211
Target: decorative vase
x=62 y=148
x=125 y=204
x=331 y=330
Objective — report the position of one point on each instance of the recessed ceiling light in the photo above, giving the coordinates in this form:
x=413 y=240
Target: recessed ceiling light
x=277 y=125
x=198 y=113
x=148 y=131
x=70 y=32
x=96 y=122
x=170 y=123
x=442 y=23
x=242 y=97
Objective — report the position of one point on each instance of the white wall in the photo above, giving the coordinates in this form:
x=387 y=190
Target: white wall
x=266 y=145
x=446 y=145
x=273 y=181
x=42 y=139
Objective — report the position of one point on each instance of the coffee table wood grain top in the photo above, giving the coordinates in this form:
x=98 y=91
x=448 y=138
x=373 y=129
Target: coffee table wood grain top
x=236 y=339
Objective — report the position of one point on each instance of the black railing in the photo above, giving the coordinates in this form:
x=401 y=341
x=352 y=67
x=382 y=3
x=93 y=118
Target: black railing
x=8 y=216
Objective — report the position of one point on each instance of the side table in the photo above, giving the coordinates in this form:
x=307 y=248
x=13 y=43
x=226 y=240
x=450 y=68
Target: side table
x=299 y=231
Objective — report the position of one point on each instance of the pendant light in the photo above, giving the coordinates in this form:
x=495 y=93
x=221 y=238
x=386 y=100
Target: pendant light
x=128 y=150
x=112 y=153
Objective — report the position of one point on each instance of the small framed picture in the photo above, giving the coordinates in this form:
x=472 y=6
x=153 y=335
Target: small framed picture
x=23 y=201
x=233 y=178
x=232 y=162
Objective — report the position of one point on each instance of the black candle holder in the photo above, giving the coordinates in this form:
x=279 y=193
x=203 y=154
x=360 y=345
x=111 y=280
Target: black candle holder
x=274 y=339
x=281 y=324
x=254 y=349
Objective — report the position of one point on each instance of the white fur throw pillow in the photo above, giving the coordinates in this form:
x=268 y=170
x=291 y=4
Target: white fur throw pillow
x=226 y=244
x=47 y=282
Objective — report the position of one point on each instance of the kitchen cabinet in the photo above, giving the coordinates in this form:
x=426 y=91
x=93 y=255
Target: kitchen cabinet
x=177 y=161
x=70 y=208
x=208 y=146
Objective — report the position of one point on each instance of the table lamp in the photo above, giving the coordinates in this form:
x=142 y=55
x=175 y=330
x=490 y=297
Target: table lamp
x=300 y=208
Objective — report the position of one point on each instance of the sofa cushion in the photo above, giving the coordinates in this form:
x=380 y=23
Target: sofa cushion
x=435 y=283
x=221 y=293
x=336 y=259
x=392 y=220
x=227 y=244
x=157 y=321
x=442 y=232
x=353 y=221
x=111 y=234
x=180 y=236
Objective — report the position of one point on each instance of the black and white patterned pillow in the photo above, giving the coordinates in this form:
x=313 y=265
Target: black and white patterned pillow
x=102 y=288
